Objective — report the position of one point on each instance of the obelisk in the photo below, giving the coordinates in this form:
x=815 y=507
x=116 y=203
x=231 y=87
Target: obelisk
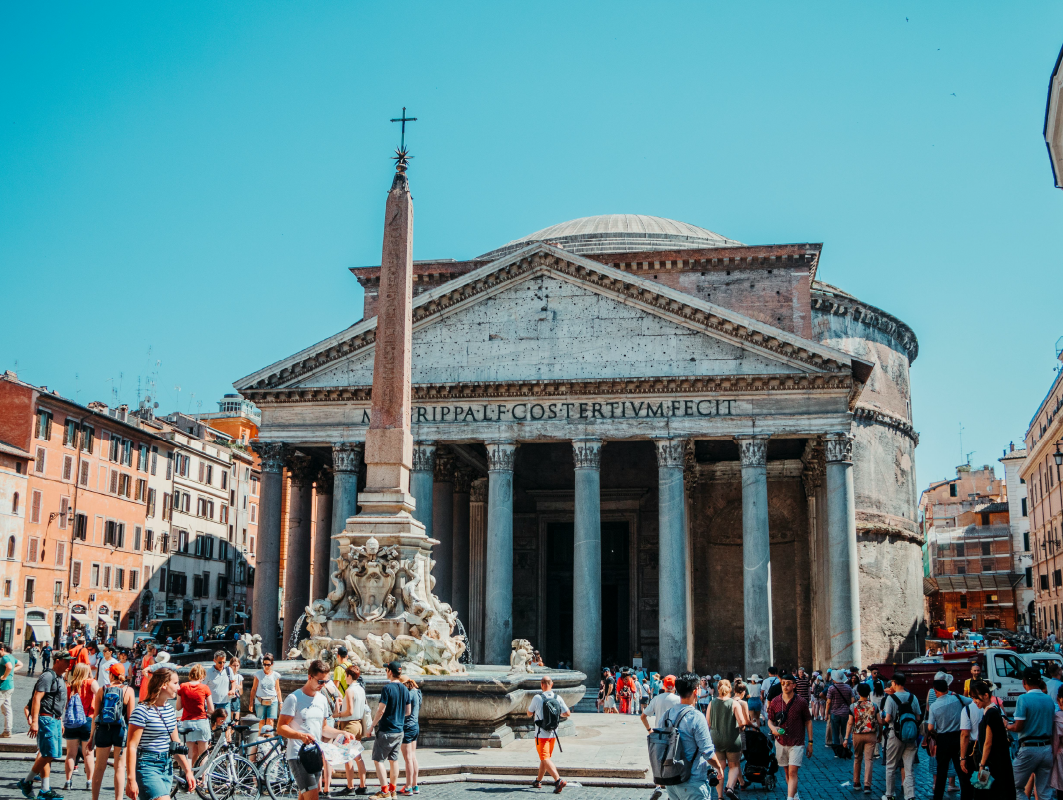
x=387 y=505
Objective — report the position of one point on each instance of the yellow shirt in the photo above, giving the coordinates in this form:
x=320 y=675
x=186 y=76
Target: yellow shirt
x=339 y=677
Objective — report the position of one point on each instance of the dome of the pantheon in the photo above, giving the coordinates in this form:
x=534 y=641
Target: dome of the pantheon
x=619 y=233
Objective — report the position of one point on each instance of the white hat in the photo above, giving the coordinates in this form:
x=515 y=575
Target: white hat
x=941 y=675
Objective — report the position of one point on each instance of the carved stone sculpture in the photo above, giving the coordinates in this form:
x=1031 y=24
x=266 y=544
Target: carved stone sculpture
x=249 y=650
x=521 y=657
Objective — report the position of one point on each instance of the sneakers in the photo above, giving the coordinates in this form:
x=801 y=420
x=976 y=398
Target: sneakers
x=5 y=735
x=361 y=790
x=657 y=792
x=537 y=784
x=730 y=794
x=406 y=792
x=51 y=794
x=383 y=794
x=416 y=789
x=559 y=786
x=26 y=788
x=867 y=790
x=68 y=786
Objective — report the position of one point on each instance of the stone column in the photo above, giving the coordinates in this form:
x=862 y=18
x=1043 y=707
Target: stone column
x=673 y=623
x=756 y=554
x=323 y=488
x=297 y=559
x=477 y=561
x=265 y=611
x=459 y=588
x=443 y=524
x=421 y=477
x=346 y=466
x=498 y=612
x=844 y=557
x=587 y=560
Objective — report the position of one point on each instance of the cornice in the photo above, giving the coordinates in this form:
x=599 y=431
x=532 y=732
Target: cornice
x=827 y=302
x=692 y=312
x=430 y=392
x=873 y=416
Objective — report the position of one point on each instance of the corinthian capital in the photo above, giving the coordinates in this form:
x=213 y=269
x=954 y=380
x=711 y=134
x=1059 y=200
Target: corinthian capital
x=424 y=457
x=670 y=452
x=587 y=453
x=301 y=468
x=500 y=456
x=444 y=466
x=347 y=456
x=753 y=451
x=323 y=482
x=462 y=480
x=839 y=447
x=272 y=455
x=478 y=491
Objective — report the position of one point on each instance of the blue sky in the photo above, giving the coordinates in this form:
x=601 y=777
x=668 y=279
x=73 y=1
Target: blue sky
x=183 y=186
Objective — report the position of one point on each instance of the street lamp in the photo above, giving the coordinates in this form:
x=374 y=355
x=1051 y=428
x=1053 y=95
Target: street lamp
x=1058 y=456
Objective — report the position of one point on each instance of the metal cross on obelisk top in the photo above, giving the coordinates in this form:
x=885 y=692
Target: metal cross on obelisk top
x=404 y=119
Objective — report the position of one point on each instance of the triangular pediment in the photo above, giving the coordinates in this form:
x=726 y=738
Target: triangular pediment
x=542 y=314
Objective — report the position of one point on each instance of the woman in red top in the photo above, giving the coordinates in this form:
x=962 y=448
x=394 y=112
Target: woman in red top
x=80 y=684
x=195 y=705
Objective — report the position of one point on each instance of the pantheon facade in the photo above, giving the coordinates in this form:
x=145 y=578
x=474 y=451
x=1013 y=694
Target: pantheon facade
x=635 y=438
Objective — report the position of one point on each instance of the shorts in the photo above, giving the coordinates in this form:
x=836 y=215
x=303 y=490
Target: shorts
x=110 y=735
x=303 y=779
x=790 y=755
x=234 y=705
x=82 y=734
x=50 y=737
x=755 y=705
x=610 y=702
x=154 y=774
x=386 y=746
x=196 y=730
x=410 y=735
x=353 y=726
x=545 y=747
x=266 y=712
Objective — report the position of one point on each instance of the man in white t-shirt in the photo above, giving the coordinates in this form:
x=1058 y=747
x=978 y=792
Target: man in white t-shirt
x=662 y=702
x=545 y=739
x=302 y=720
x=104 y=663
x=219 y=680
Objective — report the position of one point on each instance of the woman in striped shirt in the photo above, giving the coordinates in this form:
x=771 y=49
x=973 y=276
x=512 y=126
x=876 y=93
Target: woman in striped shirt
x=152 y=727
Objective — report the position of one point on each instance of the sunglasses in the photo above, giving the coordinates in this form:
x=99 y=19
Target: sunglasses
x=322 y=682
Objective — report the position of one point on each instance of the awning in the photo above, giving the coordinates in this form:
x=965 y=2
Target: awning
x=40 y=631
x=106 y=621
x=979 y=582
x=82 y=618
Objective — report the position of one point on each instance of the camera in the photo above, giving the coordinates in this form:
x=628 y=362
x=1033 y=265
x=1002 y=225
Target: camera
x=714 y=779
x=178 y=749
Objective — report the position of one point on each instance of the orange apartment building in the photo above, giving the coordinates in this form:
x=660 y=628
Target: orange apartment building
x=972 y=574
x=87 y=492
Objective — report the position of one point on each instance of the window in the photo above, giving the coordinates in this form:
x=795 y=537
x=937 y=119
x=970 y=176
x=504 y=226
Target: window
x=952 y=490
x=223 y=586
x=254 y=510
x=7 y=588
x=127 y=452
x=29 y=590
x=223 y=551
x=963 y=601
x=136 y=537
x=987 y=548
x=57 y=593
x=14 y=503
x=1029 y=577
x=224 y=480
x=1024 y=507
x=154 y=458
x=162 y=578
x=141 y=490
x=88 y=434
x=119 y=578
x=134 y=580
x=124 y=484
x=1057 y=578
x=114 y=481
x=38 y=465
x=243 y=540
x=223 y=516
x=1026 y=541
x=142 y=458
x=64 y=509
x=11 y=547
x=84 y=473
x=75 y=574
x=60 y=553
x=169 y=465
x=202 y=474
x=960 y=549
x=165 y=506
x=115 y=451
x=961 y=570
x=81 y=527
x=252 y=545
x=68 y=468
x=44 y=424
x=35 y=507
x=178 y=583
x=149 y=539
x=31 y=556
x=1009 y=666
x=106 y=576
x=197 y=585
x=150 y=511
x=254 y=486
x=182 y=541
x=95 y=575
x=210 y=474
x=70 y=433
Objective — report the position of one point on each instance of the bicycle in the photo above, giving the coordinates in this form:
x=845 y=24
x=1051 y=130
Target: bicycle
x=222 y=772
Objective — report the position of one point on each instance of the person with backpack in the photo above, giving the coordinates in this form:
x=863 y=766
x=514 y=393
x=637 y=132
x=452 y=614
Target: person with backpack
x=1033 y=722
x=114 y=704
x=769 y=687
x=839 y=698
x=547 y=709
x=77 y=721
x=943 y=729
x=901 y=713
x=790 y=722
x=46 y=723
x=680 y=747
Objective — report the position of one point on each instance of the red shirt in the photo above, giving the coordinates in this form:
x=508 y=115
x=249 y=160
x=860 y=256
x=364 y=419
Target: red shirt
x=193 y=700
x=797 y=717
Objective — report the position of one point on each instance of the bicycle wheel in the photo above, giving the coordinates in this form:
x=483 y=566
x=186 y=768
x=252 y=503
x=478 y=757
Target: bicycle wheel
x=280 y=785
x=232 y=777
x=198 y=769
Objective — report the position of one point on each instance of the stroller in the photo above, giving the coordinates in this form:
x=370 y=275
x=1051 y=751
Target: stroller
x=758 y=752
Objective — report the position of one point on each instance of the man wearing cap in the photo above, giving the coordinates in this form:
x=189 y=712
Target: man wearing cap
x=1034 y=714
x=662 y=702
x=388 y=723
x=46 y=723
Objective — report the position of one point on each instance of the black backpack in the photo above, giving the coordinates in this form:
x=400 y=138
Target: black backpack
x=310 y=758
x=550 y=717
x=774 y=690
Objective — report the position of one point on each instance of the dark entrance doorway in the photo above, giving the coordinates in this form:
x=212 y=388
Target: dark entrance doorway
x=616 y=612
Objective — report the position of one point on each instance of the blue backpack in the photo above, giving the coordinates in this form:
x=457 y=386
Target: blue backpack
x=113 y=710
x=74 y=715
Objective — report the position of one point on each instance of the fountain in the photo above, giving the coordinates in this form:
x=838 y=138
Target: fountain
x=382 y=607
